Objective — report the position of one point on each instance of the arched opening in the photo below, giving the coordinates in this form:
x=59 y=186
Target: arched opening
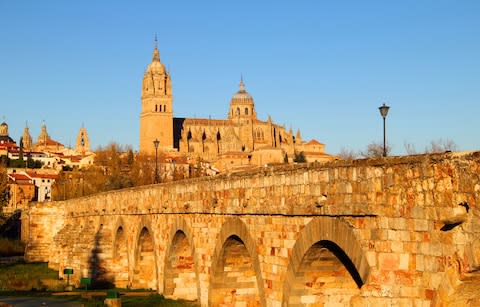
x=204 y=137
x=325 y=276
x=189 y=137
x=238 y=111
x=164 y=108
x=234 y=281
x=246 y=111
x=274 y=137
x=180 y=276
x=145 y=272
x=219 y=138
x=327 y=265
x=156 y=108
x=120 y=259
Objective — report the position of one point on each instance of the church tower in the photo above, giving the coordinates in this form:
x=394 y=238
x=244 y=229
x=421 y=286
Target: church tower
x=156 y=117
x=27 y=139
x=83 y=143
x=242 y=113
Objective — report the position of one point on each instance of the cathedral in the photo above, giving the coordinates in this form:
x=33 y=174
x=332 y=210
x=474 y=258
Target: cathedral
x=240 y=140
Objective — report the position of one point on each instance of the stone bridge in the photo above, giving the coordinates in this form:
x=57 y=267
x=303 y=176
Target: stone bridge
x=400 y=231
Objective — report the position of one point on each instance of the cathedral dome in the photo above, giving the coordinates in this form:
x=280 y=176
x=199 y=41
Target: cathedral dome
x=242 y=94
x=4 y=138
x=241 y=105
x=4 y=129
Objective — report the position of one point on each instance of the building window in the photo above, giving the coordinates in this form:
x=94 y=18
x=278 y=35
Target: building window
x=164 y=108
x=238 y=111
x=246 y=111
x=258 y=134
x=156 y=108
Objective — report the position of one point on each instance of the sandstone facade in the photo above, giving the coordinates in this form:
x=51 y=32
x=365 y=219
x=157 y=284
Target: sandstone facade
x=385 y=232
x=225 y=142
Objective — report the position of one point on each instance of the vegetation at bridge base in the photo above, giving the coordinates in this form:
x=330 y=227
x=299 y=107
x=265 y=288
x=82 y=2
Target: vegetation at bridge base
x=152 y=300
x=37 y=280
x=28 y=277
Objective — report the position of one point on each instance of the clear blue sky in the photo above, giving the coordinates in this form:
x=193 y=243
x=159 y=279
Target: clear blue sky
x=323 y=67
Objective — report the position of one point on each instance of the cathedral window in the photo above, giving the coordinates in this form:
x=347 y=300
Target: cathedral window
x=238 y=111
x=258 y=134
x=246 y=111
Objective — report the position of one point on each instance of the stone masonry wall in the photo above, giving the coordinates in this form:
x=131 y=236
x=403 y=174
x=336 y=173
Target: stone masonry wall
x=406 y=230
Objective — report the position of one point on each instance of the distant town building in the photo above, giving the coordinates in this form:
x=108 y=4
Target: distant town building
x=22 y=191
x=45 y=143
x=240 y=140
x=27 y=139
x=6 y=142
x=83 y=143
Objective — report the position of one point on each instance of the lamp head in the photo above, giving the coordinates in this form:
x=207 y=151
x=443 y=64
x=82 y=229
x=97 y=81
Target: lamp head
x=384 y=110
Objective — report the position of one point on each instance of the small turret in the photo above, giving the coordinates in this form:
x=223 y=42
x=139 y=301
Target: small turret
x=27 y=138
x=298 y=138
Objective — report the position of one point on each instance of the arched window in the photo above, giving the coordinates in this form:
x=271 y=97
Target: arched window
x=238 y=111
x=164 y=108
x=246 y=111
x=259 y=134
x=156 y=107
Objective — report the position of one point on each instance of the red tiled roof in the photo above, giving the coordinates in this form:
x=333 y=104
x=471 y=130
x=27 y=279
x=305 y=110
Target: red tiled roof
x=314 y=142
x=49 y=142
x=44 y=176
x=19 y=176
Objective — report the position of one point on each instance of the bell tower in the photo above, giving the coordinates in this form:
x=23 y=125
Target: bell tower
x=156 y=117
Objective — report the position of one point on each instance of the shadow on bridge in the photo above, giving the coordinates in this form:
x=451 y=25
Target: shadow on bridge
x=98 y=263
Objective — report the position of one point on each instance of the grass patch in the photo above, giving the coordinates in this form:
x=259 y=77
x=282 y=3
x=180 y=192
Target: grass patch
x=152 y=300
x=35 y=279
x=27 y=276
x=11 y=247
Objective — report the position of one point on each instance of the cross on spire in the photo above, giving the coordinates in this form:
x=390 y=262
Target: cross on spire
x=156 y=54
x=242 y=85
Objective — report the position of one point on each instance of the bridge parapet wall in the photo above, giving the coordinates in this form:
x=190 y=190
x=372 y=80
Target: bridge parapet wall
x=433 y=185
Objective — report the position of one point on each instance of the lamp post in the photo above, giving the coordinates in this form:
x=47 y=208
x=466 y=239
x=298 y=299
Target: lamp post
x=156 y=143
x=384 y=111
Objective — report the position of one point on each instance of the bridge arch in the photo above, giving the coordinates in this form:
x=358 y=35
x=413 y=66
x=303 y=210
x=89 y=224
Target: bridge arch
x=235 y=260
x=181 y=269
x=145 y=274
x=327 y=263
x=120 y=258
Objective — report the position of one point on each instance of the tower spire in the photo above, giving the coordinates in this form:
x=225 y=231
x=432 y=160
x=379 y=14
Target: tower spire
x=156 y=54
x=242 y=85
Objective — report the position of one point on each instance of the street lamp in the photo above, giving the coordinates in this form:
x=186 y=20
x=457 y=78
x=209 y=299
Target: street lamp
x=156 y=143
x=384 y=111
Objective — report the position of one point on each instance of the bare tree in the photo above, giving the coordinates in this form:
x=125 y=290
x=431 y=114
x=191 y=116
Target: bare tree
x=409 y=148
x=4 y=190
x=347 y=154
x=441 y=145
x=375 y=150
